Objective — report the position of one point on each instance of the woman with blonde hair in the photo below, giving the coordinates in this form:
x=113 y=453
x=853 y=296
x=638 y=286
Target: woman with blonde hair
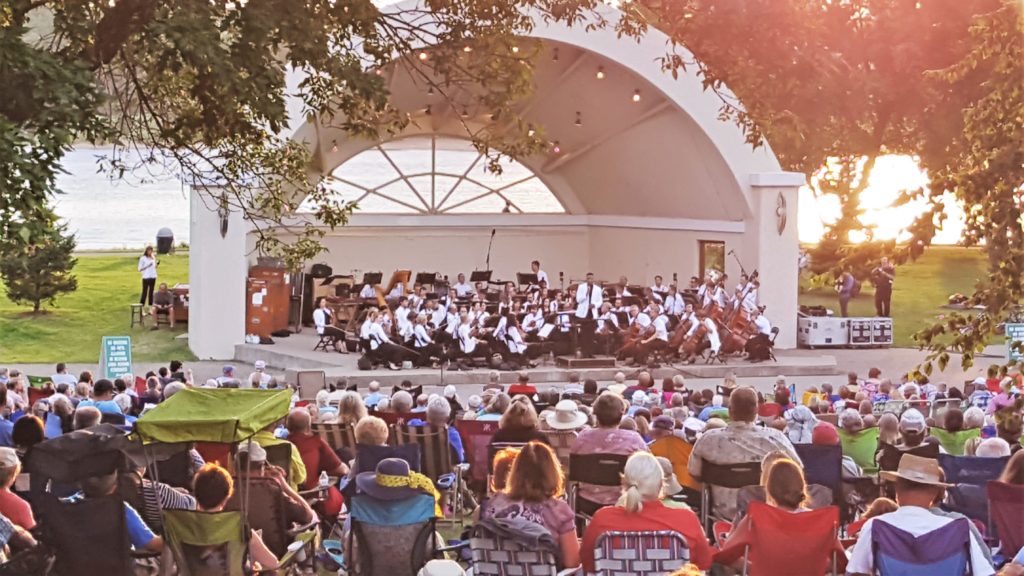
x=533 y=492
x=351 y=408
x=519 y=424
x=640 y=508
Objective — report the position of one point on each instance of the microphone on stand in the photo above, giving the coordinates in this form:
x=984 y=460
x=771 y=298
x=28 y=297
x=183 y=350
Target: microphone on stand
x=489 y=244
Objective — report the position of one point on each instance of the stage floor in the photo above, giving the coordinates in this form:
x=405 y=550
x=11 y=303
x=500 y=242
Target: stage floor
x=296 y=353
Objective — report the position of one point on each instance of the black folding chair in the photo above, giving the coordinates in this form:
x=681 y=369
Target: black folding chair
x=823 y=465
x=594 y=469
x=733 y=476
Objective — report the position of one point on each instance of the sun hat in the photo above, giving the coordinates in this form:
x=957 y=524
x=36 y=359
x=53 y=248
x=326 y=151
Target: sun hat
x=714 y=423
x=565 y=416
x=616 y=389
x=260 y=365
x=917 y=469
x=638 y=398
x=664 y=423
x=912 y=420
x=694 y=424
x=671 y=485
x=255 y=451
x=393 y=480
x=8 y=458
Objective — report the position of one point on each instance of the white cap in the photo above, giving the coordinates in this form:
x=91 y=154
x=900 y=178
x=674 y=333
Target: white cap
x=260 y=365
x=449 y=391
x=913 y=420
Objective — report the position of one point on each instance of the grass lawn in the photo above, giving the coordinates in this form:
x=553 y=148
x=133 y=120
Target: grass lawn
x=920 y=291
x=72 y=330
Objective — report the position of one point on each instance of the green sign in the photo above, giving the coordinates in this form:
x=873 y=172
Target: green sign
x=116 y=356
x=1014 y=333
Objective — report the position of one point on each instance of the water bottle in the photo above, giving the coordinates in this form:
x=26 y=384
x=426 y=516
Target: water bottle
x=324 y=480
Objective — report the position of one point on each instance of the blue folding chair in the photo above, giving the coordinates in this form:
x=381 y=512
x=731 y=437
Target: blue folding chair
x=969 y=475
x=392 y=537
x=945 y=551
x=823 y=465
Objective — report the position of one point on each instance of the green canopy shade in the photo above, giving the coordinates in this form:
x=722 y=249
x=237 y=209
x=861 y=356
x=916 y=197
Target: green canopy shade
x=223 y=415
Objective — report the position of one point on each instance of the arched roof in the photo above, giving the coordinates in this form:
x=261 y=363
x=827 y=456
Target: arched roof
x=666 y=155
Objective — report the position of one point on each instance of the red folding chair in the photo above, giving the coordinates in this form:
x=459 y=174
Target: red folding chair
x=476 y=437
x=772 y=541
x=1006 y=511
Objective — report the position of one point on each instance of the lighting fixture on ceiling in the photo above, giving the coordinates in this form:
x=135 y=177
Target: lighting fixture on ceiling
x=467 y=48
x=636 y=95
x=515 y=49
x=554 y=55
x=579 y=119
x=556 y=147
x=334 y=145
x=600 y=72
x=530 y=132
x=423 y=56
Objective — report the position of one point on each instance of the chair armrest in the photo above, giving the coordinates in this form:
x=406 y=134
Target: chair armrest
x=576 y=571
x=291 y=555
x=298 y=531
x=453 y=548
x=446 y=481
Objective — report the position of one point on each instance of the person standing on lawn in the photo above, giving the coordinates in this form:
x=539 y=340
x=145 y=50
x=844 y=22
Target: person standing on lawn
x=883 y=277
x=147 y=268
x=845 y=287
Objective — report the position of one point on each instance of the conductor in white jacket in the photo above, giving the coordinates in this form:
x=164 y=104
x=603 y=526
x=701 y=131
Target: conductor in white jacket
x=588 y=302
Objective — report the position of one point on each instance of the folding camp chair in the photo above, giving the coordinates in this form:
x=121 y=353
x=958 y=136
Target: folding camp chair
x=830 y=417
x=476 y=437
x=437 y=462
x=206 y=543
x=823 y=465
x=647 y=553
x=309 y=382
x=594 y=469
x=338 y=436
x=766 y=543
x=561 y=442
x=969 y=475
x=734 y=476
x=954 y=442
x=889 y=455
x=494 y=555
x=176 y=471
x=390 y=537
x=861 y=447
x=941 y=552
x=266 y=512
x=280 y=455
x=1006 y=508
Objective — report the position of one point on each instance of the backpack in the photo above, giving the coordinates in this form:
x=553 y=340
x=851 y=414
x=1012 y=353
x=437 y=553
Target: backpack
x=364 y=363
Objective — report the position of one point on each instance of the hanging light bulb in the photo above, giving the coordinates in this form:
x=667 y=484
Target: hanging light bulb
x=430 y=91
x=467 y=48
x=556 y=147
x=428 y=110
x=530 y=132
x=334 y=145
x=422 y=56
x=515 y=49
x=579 y=119
x=600 y=72
x=636 y=95
x=554 y=55
x=465 y=112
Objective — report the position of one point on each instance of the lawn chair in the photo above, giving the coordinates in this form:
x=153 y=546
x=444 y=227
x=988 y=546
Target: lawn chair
x=476 y=437
x=941 y=552
x=309 y=382
x=176 y=471
x=861 y=447
x=266 y=512
x=437 y=462
x=207 y=543
x=367 y=458
x=647 y=553
x=823 y=465
x=497 y=555
x=766 y=545
x=561 y=442
x=338 y=436
x=969 y=475
x=734 y=476
x=280 y=455
x=390 y=537
x=954 y=442
x=889 y=455
x=595 y=469
x=1006 y=508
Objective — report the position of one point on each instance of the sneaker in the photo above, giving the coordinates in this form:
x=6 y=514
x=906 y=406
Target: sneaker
x=393 y=366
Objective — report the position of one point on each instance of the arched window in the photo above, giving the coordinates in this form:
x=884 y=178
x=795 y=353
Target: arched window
x=438 y=175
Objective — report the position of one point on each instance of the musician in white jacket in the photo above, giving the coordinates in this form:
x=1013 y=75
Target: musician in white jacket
x=588 y=301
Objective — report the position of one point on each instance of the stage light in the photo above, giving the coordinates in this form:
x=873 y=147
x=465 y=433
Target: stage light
x=600 y=72
x=636 y=95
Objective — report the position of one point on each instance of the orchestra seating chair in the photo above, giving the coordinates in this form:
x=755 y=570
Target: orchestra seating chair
x=595 y=469
x=645 y=553
x=766 y=542
x=326 y=342
x=436 y=460
x=1006 y=508
x=724 y=476
x=941 y=552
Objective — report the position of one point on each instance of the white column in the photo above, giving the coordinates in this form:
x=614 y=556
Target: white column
x=777 y=248
x=217 y=271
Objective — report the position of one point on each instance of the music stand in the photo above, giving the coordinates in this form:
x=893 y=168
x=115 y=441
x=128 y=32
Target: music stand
x=373 y=278
x=480 y=276
x=426 y=278
x=632 y=301
x=526 y=279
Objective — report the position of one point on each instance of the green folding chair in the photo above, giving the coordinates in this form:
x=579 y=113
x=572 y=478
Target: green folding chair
x=206 y=543
x=861 y=447
x=954 y=442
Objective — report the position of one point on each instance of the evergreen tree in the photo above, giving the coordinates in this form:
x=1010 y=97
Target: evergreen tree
x=38 y=272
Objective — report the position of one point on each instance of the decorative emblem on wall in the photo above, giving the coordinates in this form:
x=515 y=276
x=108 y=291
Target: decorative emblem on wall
x=780 y=213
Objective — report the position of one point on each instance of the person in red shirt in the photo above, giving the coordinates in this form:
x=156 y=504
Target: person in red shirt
x=640 y=509
x=317 y=456
x=523 y=386
x=11 y=505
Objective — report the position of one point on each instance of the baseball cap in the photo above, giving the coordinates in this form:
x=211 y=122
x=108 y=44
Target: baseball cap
x=228 y=369
x=824 y=434
x=913 y=420
x=8 y=458
x=255 y=451
x=260 y=365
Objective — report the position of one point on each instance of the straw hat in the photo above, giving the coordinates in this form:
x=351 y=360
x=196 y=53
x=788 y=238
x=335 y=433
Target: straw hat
x=392 y=480
x=917 y=469
x=565 y=416
x=617 y=389
x=671 y=485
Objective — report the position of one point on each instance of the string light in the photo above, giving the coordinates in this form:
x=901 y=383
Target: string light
x=428 y=111
x=430 y=91
x=600 y=72
x=334 y=145
x=636 y=95
x=467 y=48
x=554 y=55
x=515 y=49
x=530 y=132
x=556 y=147
x=423 y=55
x=579 y=119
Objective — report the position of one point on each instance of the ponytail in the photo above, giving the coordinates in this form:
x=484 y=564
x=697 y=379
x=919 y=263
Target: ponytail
x=632 y=500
